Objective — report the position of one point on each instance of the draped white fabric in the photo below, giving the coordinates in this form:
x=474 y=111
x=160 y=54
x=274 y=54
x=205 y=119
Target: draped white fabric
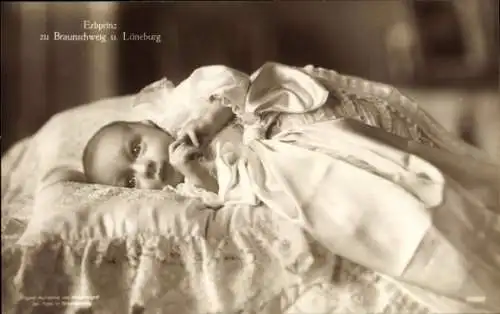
x=381 y=207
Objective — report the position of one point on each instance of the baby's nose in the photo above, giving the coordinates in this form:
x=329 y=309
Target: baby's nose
x=146 y=168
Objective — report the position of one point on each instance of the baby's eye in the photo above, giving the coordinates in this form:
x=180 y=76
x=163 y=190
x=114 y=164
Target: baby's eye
x=131 y=183
x=136 y=149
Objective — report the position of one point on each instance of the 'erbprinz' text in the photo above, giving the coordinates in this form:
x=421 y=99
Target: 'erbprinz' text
x=99 y=26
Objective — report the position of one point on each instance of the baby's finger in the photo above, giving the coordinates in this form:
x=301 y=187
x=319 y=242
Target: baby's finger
x=172 y=147
x=192 y=153
x=186 y=137
x=192 y=136
x=175 y=146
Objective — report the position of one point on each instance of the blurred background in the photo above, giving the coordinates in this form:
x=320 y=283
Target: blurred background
x=445 y=54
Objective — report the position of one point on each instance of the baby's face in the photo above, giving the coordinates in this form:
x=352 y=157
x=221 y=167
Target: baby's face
x=134 y=155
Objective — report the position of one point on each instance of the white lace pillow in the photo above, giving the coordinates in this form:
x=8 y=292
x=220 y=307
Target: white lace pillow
x=77 y=213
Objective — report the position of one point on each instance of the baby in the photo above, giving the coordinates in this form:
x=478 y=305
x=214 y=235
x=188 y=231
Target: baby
x=143 y=155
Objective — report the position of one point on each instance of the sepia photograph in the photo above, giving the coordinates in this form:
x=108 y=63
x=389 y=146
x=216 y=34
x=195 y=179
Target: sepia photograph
x=270 y=157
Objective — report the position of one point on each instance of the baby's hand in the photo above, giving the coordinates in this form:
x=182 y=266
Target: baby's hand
x=194 y=132
x=183 y=155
